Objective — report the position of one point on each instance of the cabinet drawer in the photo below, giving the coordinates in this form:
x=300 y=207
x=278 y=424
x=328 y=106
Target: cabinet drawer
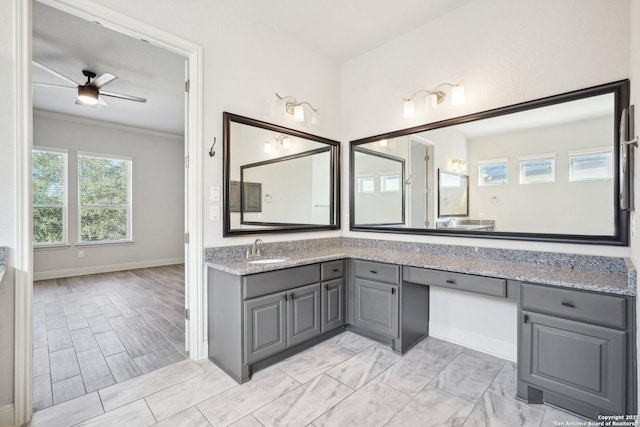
x=332 y=270
x=280 y=280
x=464 y=282
x=377 y=271
x=601 y=309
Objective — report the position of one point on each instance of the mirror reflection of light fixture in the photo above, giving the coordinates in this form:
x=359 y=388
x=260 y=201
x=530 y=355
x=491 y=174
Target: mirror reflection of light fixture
x=434 y=98
x=296 y=109
x=458 y=165
x=383 y=143
x=280 y=141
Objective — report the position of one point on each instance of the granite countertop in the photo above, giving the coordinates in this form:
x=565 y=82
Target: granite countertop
x=613 y=282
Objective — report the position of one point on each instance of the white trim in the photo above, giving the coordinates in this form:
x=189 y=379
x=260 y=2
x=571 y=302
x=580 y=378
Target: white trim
x=194 y=268
x=7 y=413
x=544 y=156
x=23 y=260
x=52 y=149
x=494 y=161
x=587 y=151
x=105 y=243
x=70 y=272
x=110 y=125
x=103 y=156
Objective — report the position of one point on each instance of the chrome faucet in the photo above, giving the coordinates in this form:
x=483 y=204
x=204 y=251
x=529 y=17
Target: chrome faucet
x=450 y=221
x=254 y=251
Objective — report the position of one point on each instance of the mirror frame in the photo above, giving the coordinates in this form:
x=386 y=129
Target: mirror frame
x=620 y=89
x=333 y=147
x=440 y=172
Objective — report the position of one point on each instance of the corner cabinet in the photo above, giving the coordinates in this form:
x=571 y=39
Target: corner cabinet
x=574 y=350
x=261 y=318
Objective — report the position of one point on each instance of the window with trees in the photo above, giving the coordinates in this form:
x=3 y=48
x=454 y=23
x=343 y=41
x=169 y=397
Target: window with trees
x=104 y=199
x=49 y=188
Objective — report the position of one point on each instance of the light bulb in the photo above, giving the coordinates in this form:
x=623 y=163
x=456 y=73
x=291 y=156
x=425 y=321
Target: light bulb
x=298 y=113
x=432 y=101
x=457 y=95
x=409 y=109
x=286 y=143
x=315 y=118
x=383 y=143
x=267 y=147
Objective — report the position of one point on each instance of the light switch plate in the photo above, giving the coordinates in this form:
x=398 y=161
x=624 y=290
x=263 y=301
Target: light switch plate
x=214 y=213
x=215 y=193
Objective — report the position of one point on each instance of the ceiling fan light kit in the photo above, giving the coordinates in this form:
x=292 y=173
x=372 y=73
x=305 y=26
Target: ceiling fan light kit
x=88 y=95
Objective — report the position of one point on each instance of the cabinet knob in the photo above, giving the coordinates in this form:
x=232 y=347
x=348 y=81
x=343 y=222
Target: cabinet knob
x=393 y=290
x=526 y=318
x=451 y=281
x=286 y=297
x=373 y=272
x=568 y=304
x=291 y=296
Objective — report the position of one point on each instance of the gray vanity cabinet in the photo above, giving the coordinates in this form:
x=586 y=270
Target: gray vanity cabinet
x=574 y=350
x=266 y=326
x=332 y=304
x=303 y=314
x=376 y=297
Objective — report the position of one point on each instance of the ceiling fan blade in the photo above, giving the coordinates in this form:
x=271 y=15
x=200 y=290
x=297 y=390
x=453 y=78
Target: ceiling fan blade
x=121 y=96
x=54 y=73
x=103 y=80
x=55 y=86
x=101 y=101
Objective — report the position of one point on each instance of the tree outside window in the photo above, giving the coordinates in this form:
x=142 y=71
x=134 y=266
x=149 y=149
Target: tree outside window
x=49 y=187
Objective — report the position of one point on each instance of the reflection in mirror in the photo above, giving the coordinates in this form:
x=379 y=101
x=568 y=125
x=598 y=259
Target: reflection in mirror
x=278 y=179
x=379 y=187
x=546 y=170
x=453 y=194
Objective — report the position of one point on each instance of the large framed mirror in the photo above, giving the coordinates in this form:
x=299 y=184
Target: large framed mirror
x=278 y=179
x=545 y=170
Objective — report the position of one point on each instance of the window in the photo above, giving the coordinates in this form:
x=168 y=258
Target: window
x=390 y=183
x=49 y=186
x=586 y=165
x=104 y=198
x=492 y=172
x=537 y=169
x=365 y=184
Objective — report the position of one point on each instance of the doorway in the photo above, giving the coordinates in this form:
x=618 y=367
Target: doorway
x=193 y=222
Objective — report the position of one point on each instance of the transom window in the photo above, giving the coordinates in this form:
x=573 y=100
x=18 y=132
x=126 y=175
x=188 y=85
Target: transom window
x=49 y=187
x=537 y=169
x=492 y=172
x=587 y=165
x=104 y=199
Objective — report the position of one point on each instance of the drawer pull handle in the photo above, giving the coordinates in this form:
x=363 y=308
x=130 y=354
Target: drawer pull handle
x=451 y=281
x=326 y=287
x=373 y=272
x=568 y=304
x=291 y=296
x=393 y=291
x=335 y=270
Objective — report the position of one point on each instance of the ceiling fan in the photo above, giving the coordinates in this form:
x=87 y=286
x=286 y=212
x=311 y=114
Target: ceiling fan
x=89 y=94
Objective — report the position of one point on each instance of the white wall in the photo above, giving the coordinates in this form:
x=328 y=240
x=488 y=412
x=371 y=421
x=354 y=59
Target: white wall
x=507 y=52
x=562 y=206
x=8 y=145
x=157 y=188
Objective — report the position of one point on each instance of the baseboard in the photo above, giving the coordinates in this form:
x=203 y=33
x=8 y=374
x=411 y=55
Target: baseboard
x=482 y=343
x=7 y=414
x=70 y=272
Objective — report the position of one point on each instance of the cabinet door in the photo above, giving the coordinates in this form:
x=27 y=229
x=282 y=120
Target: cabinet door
x=265 y=326
x=332 y=304
x=376 y=307
x=303 y=314
x=583 y=362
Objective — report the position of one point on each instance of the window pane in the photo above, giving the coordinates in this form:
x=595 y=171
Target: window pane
x=48 y=178
x=533 y=171
x=103 y=224
x=390 y=183
x=590 y=166
x=48 y=225
x=103 y=181
x=492 y=174
x=365 y=184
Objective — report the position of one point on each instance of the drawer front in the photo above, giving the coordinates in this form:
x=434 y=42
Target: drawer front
x=601 y=309
x=377 y=271
x=332 y=270
x=464 y=282
x=280 y=280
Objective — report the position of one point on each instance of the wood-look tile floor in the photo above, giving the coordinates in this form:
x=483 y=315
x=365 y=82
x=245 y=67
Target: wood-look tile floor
x=347 y=380
x=90 y=332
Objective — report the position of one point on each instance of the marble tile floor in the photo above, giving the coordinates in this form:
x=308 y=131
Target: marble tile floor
x=347 y=380
x=92 y=331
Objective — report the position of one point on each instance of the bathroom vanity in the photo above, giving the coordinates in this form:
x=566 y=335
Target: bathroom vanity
x=576 y=327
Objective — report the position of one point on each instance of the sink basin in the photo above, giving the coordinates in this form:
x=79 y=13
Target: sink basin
x=267 y=260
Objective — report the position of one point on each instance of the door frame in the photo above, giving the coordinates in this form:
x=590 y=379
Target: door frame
x=23 y=107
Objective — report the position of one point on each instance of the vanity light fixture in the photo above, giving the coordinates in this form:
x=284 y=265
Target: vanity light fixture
x=458 y=165
x=434 y=98
x=383 y=143
x=296 y=109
